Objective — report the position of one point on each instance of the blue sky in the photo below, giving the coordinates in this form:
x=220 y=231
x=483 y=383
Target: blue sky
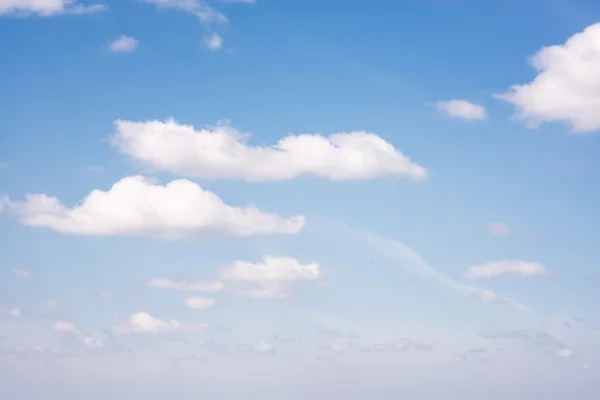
x=273 y=199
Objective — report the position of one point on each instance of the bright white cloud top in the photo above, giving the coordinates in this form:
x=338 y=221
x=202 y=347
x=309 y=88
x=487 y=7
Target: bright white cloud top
x=567 y=86
x=497 y=268
x=135 y=206
x=462 y=109
x=222 y=152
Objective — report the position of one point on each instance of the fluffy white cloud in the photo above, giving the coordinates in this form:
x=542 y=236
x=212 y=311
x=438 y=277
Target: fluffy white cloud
x=269 y=278
x=213 y=42
x=199 y=303
x=462 y=109
x=13 y=312
x=223 y=152
x=124 y=44
x=47 y=8
x=142 y=322
x=195 y=285
x=498 y=228
x=199 y=8
x=21 y=272
x=565 y=353
x=135 y=206
x=497 y=268
x=65 y=327
x=567 y=86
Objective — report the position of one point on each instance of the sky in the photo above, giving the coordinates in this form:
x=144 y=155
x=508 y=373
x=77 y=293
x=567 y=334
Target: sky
x=277 y=199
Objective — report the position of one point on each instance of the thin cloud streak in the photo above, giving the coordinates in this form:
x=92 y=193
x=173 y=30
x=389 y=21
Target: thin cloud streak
x=411 y=261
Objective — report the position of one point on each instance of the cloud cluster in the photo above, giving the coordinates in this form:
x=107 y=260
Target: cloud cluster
x=222 y=152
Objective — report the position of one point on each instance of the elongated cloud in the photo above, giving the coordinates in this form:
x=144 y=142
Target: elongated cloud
x=497 y=268
x=134 y=206
x=47 y=8
x=222 y=152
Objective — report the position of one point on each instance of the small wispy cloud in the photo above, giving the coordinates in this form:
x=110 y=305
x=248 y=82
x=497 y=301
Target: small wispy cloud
x=462 y=109
x=22 y=272
x=48 y=8
x=214 y=42
x=499 y=228
x=123 y=44
x=497 y=268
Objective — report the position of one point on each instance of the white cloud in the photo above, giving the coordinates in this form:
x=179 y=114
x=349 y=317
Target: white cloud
x=223 y=152
x=142 y=322
x=124 y=44
x=213 y=42
x=199 y=8
x=65 y=327
x=498 y=228
x=268 y=278
x=462 y=109
x=485 y=296
x=13 y=312
x=92 y=343
x=497 y=268
x=134 y=206
x=192 y=286
x=566 y=353
x=199 y=303
x=22 y=272
x=46 y=8
x=567 y=86
x=263 y=347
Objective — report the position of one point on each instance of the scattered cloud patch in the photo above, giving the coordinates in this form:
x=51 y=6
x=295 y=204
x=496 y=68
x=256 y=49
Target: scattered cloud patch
x=135 y=206
x=462 y=109
x=124 y=44
x=65 y=327
x=199 y=303
x=222 y=152
x=47 y=8
x=213 y=42
x=564 y=353
x=13 y=312
x=498 y=228
x=497 y=268
x=200 y=8
x=567 y=85
x=269 y=278
x=191 y=286
x=22 y=272
x=142 y=322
